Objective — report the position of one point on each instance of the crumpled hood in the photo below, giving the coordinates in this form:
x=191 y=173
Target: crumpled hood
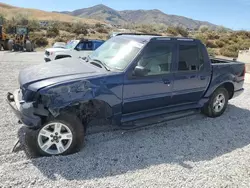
x=57 y=71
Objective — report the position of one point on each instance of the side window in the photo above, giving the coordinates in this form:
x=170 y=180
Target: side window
x=157 y=58
x=190 y=58
x=79 y=47
x=97 y=45
x=84 y=46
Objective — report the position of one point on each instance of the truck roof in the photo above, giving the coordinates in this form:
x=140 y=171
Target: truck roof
x=147 y=38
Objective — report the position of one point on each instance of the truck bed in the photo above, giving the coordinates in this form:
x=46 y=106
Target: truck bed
x=222 y=61
x=223 y=70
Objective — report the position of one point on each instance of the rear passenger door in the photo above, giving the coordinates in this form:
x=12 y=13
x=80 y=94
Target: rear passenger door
x=192 y=75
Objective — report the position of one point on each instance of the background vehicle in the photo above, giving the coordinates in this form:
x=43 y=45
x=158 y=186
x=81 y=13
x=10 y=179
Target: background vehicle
x=59 y=45
x=74 y=48
x=127 y=79
x=4 y=38
x=22 y=41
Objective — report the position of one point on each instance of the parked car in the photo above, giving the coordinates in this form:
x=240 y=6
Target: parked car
x=74 y=48
x=59 y=45
x=127 y=79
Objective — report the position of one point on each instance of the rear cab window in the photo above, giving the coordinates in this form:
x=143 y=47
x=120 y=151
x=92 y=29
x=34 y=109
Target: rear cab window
x=190 y=57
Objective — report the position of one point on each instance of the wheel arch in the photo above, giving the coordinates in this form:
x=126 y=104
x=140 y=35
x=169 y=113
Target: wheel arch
x=228 y=85
x=230 y=89
x=89 y=110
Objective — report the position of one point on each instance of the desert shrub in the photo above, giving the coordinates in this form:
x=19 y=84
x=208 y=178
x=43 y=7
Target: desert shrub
x=225 y=39
x=36 y=34
x=33 y=25
x=211 y=52
x=182 y=31
x=102 y=30
x=79 y=28
x=20 y=19
x=81 y=36
x=230 y=51
x=243 y=34
x=221 y=29
x=159 y=28
x=201 y=37
x=203 y=28
x=2 y=19
x=219 y=43
x=60 y=39
x=41 y=41
x=245 y=45
x=65 y=26
x=98 y=25
x=210 y=44
x=234 y=38
x=145 y=29
x=52 y=31
x=172 y=31
x=212 y=35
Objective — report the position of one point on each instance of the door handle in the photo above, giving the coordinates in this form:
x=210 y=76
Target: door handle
x=166 y=82
x=202 y=77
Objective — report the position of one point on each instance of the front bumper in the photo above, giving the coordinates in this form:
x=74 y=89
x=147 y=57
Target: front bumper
x=23 y=110
x=46 y=59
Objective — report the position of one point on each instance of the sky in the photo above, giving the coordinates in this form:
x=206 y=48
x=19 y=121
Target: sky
x=234 y=14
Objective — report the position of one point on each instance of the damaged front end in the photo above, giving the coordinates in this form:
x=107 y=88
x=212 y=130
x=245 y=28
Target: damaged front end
x=27 y=112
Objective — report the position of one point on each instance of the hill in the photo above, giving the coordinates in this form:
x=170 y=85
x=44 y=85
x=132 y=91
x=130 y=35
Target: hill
x=9 y=11
x=107 y=14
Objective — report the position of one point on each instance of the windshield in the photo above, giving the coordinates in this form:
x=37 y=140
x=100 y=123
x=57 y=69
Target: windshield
x=71 y=44
x=117 y=52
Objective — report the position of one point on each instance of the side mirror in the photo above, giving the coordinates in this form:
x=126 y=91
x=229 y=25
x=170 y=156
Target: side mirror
x=140 y=71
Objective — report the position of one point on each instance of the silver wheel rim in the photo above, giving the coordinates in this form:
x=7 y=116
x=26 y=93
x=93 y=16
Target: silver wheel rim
x=55 y=138
x=219 y=102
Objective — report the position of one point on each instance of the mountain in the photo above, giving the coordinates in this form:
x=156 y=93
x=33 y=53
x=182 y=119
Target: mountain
x=109 y=15
x=9 y=11
x=99 y=12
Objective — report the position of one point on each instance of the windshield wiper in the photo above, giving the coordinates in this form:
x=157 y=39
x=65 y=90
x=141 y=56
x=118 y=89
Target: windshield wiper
x=92 y=61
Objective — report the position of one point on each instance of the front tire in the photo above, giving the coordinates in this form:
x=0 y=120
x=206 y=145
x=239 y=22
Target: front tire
x=62 y=136
x=217 y=103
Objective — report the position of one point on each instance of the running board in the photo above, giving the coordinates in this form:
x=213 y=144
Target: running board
x=156 y=112
x=158 y=119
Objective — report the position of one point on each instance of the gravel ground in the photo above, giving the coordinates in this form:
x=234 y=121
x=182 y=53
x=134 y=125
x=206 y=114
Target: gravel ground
x=191 y=152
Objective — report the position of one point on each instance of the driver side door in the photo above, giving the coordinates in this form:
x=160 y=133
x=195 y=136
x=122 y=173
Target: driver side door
x=153 y=90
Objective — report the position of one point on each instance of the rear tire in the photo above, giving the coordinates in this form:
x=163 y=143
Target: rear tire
x=42 y=142
x=217 y=103
x=5 y=45
x=28 y=46
x=10 y=45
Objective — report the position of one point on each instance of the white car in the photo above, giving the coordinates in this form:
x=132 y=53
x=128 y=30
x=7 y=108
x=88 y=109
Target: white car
x=74 y=48
x=59 y=45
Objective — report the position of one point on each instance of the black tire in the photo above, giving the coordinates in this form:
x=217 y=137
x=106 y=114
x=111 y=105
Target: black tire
x=32 y=148
x=5 y=45
x=208 y=108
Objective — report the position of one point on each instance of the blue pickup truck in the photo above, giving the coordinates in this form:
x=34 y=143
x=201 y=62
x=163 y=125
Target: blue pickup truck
x=127 y=79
